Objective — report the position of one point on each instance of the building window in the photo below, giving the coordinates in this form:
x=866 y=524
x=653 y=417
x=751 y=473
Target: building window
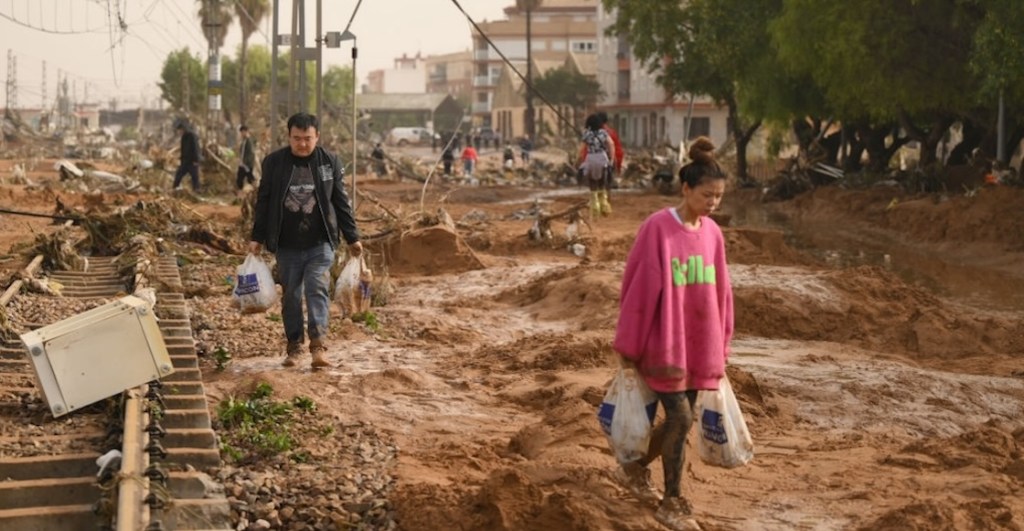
x=558 y=46
x=584 y=46
x=699 y=126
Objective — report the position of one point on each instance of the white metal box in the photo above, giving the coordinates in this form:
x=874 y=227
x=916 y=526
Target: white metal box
x=97 y=353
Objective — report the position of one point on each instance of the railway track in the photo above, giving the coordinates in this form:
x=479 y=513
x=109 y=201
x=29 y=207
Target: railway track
x=49 y=476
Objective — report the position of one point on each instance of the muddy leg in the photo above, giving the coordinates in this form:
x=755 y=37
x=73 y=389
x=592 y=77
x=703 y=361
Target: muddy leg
x=678 y=419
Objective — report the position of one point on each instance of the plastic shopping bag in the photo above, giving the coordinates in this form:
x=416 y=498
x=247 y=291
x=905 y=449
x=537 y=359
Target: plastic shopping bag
x=725 y=440
x=626 y=415
x=254 y=286
x=352 y=289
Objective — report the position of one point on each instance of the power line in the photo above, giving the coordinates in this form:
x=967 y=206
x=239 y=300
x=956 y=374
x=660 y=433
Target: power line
x=529 y=86
x=28 y=25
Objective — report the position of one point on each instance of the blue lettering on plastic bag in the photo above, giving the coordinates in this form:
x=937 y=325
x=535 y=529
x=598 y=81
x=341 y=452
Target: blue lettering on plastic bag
x=247 y=285
x=607 y=410
x=711 y=426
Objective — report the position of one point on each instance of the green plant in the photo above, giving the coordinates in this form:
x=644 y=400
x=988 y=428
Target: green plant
x=304 y=403
x=222 y=357
x=274 y=317
x=256 y=426
x=368 y=318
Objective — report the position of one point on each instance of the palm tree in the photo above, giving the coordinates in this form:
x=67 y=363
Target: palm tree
x=529 y=6
x=250 y=14
x=216 y=17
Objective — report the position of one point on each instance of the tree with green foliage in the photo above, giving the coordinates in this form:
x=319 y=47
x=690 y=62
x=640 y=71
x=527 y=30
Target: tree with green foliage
x=997 y=60
x=891 y=72
x=707 y=47
x=183 y=74
x=566 y=87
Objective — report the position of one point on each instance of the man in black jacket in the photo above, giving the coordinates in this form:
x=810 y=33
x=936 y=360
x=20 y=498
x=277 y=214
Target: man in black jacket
x=190 y=156
x=301 y=207
x=246 y=159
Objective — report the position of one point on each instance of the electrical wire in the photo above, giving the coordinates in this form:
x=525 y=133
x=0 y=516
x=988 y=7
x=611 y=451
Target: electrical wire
x=353 y=17
x=28 y=25
x=526 y=82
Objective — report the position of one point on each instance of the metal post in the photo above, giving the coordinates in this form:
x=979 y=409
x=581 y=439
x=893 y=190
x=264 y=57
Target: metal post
x=319 y=59
x=531 y=125
x=1001 y=135
x=303 y=88
x=355 y=158
x=292 y=75
x=273 y=78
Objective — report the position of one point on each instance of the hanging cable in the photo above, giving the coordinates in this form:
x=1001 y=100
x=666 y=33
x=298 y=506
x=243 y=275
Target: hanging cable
x=45 y=30
x=529 y=86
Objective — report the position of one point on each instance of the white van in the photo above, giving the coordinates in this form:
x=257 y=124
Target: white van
x=402 y=136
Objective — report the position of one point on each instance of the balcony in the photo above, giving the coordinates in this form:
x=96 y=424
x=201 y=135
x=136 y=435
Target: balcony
x=485 y=81
x=623 y=96
x=482 y=54
x=479 y=108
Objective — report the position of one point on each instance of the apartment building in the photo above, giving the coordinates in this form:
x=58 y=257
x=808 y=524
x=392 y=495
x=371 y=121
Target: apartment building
x=555 y=26
x=644 y=114
x=451 y=73
x=407 y=76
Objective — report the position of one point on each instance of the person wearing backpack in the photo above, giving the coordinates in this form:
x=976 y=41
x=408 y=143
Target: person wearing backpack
x=676 y=321
x=597 y=147
x=301 y=215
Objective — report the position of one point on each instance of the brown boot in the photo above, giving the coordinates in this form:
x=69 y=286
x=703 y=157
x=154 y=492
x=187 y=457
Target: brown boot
x=292 y=353
x=317 y=348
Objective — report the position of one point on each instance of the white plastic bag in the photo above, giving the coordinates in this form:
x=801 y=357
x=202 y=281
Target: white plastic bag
x=254 y=286
x=626 y=415
x=352 y=289
x=725 y=440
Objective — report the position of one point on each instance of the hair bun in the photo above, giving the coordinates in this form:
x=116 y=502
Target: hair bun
x=702 y=150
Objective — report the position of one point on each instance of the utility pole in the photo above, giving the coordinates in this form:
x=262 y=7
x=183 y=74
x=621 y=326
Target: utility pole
x=12 y=83
x=42 y=105
x=530 y=125
x=214 y=84
x=297 y=97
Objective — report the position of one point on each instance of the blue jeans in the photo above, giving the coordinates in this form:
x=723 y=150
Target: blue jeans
x=305 y=272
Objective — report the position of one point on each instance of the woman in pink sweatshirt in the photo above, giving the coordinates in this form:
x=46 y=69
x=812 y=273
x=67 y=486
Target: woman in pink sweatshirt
x=676 y=320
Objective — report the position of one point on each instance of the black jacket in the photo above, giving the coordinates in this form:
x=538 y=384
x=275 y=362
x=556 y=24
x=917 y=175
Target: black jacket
x=329 y=182
x=248 y=155
x=190 y=153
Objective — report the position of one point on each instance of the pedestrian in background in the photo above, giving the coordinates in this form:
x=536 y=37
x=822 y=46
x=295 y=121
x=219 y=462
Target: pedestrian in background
x=447 y=158
x=598 y=148
x=469 y=158
x=246 y=159
x=190 y=156
x=301 y=207
x=525 y=147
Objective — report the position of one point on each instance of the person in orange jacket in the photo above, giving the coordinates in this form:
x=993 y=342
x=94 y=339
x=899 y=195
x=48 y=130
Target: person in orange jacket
x=614 y=168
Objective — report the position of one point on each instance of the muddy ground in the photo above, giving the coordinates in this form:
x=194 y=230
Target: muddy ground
x=879 y=358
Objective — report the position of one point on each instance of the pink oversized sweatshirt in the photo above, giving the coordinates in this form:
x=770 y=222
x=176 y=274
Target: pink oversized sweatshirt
x=675 y=309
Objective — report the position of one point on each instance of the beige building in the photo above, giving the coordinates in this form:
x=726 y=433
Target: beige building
x=451 y=73
x=508 y=115
x=408 y=76
x=642 y=112
x=557 y=26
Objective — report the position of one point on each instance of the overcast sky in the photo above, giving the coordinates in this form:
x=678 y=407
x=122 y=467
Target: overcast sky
x=75 y=36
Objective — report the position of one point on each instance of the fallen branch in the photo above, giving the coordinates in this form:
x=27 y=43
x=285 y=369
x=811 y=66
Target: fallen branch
x=375 y=201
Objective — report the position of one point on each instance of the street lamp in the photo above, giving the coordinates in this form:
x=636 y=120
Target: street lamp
x=334 y=40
